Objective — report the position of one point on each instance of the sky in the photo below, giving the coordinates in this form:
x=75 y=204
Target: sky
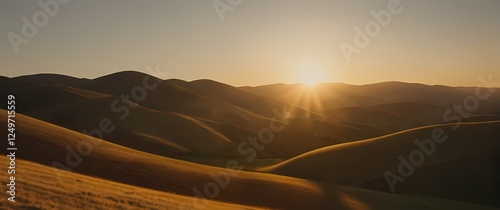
x=448 y=42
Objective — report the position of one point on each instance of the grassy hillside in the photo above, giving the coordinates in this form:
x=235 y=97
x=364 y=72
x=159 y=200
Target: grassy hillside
x=470 y=152
x=39 y=188
x=112 y=162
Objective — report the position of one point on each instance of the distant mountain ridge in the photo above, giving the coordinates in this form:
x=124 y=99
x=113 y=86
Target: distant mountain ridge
x=348 y=112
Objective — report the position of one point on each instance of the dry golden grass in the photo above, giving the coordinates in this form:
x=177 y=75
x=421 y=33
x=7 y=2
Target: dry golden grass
x=38 y=188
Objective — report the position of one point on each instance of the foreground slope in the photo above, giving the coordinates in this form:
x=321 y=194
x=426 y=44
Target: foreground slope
x=45 y=143
x=112 y=162
x=39 y=188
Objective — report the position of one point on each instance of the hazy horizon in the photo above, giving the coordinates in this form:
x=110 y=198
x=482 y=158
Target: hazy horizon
x=277 y=83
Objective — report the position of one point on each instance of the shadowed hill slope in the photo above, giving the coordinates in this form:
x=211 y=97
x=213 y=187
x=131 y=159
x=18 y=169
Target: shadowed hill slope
x=246 y=100
x=51 y=79
x=10 y=86
x=380 y=119
x=472 y=150
x=170 y=133
x=421 y=112
x=336 y=95
x=110 y=161
x=160 y=132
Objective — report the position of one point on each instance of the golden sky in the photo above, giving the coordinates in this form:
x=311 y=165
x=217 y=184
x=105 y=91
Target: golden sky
x=448 y=42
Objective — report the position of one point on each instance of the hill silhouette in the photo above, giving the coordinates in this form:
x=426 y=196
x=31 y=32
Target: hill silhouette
x=332 y=146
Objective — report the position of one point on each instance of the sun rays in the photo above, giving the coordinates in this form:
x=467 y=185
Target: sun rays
x=311 y=75
x=307 y=97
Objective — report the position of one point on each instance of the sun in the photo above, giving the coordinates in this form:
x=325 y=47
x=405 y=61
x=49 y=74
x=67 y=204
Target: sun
x=310 y=80
x=311 y=74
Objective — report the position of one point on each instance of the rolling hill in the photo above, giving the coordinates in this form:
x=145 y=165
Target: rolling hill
x=37 y=188
x=104 y=160
x=338 y=95
x=157 y=129
x=458 y=157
